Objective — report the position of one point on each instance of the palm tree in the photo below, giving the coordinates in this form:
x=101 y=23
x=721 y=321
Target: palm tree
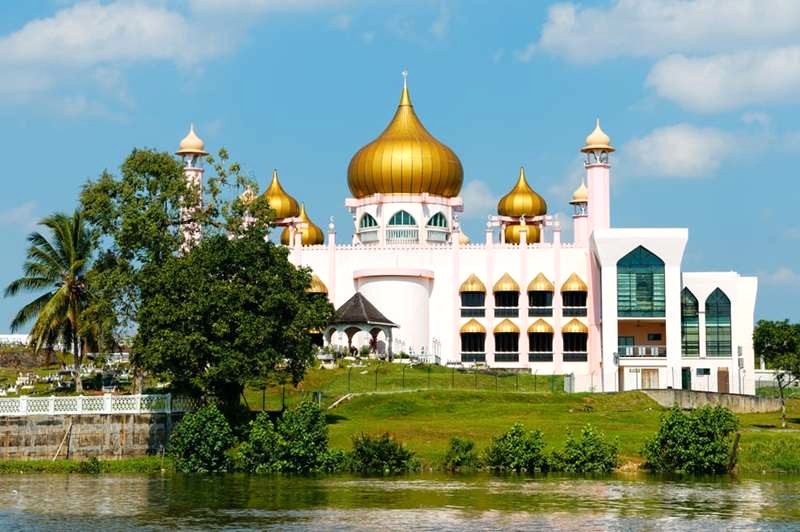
x=58 y=266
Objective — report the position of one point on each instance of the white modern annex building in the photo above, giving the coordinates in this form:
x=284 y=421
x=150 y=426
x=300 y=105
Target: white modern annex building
x=613 y=309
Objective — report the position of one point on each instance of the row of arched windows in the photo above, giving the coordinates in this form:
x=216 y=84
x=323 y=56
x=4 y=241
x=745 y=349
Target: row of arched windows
x=540 y=342
x=506 y=291
x=718 y=324
x=402 y=218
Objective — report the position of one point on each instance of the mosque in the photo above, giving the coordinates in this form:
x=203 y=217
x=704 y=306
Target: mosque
x=613 y=310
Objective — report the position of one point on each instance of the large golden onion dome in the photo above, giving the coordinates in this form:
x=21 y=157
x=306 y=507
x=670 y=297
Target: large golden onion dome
x=279 y=201
x=522 y=200
x=311 y=234
x=191 y=144
x=405 y=159
x=598 y=140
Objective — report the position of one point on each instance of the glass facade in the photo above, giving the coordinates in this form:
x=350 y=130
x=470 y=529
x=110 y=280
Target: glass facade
x=640 y=285
x=718 y=324
x=506 y=346
x=506 y=304
x=472 y=304
x=540 y=303
x=690 y=324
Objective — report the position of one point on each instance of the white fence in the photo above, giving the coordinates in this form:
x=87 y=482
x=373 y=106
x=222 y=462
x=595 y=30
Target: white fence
x=55 y=405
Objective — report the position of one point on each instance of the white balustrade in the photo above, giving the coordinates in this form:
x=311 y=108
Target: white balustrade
x=409 y=235
x=94 y=404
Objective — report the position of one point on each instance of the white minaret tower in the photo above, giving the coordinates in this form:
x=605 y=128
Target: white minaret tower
x=580 y=215
x=598 y=174
x=192 y=150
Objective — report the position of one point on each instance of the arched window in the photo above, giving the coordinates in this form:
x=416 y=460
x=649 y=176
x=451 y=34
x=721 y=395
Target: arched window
x=473 y=341
x=367 y=222
x=402 y=218
x=640 y=284
x=437 y=220
x=506 y=342
x=690 y=324
x=718 y=324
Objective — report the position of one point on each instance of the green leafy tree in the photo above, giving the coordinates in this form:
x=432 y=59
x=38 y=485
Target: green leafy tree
x=517 y=450
x=200 y=442
x=778 y=342
x=698 y=441
x=58 y=266
x=230 y=312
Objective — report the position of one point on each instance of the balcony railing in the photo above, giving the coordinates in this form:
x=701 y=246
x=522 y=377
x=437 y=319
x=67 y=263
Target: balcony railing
x=473 y=312
x=473 y=356
x=537 y=356
x=368 y=237
x=405 y=235
x=576 y=356
x=506 y=356
x=572 y=312
x=437 y=236
x=642 y=351
x=506 y=312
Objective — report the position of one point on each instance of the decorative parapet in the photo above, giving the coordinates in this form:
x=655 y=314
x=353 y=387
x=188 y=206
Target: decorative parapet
x=58 y=405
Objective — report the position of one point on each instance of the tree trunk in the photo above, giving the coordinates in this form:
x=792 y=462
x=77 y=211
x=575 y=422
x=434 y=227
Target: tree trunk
x=76 y=347
x=783 y=409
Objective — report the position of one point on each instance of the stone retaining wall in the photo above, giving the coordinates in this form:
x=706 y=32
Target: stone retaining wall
x=102 y=435
x=741 y=404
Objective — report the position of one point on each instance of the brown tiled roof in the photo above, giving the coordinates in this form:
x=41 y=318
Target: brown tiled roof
x=358 y=309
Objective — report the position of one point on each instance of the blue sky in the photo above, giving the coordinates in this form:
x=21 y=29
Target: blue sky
x=699 y=98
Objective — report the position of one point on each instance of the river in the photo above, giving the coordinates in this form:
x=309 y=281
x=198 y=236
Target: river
x=419 y=502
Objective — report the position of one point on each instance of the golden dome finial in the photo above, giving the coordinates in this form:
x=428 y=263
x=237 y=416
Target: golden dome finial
x=598 y=140
x=310 y=235
x=405 y=159
x=520 y=201
x=279 y=200
x=405 y=98
x=191 y=144
x=581 y=194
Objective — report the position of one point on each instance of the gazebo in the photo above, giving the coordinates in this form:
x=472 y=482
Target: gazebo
x=357 y=314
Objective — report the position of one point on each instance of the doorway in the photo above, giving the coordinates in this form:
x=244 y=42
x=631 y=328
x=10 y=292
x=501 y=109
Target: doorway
x=686 y=378
x=649 y=379
x=723 y=381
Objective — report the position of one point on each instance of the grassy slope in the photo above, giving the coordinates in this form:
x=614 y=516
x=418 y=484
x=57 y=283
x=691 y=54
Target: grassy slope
x=426 y=420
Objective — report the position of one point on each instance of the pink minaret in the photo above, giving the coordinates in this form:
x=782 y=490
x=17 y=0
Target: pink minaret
x=192 y=150
x=580 y=215
x=598 y=173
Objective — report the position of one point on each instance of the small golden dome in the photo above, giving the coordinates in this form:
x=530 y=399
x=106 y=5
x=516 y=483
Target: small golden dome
x=540 y=283
x=574 y=284
x=598 y=140
x=472 y=284
x=311 y=234
x=512 y=235
x=574 y=326
x=248 y=196
x=317 y=286
x=506 y=284
x=581 y=194
x=540 y=326
x=522 y=200
x=463 y=239
x=506 y=326
x=405 y=159
x=191 y=144
x=279 y=201
x=473 y=326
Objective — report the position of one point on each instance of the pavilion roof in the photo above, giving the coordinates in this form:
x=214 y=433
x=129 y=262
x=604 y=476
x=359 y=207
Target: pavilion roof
x=358 y=310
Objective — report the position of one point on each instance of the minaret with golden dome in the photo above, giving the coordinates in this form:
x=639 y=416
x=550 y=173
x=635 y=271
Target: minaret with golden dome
x=310 y=233
x=521 y=201
x=192 y=149
x=598 y=174
x=284 y=205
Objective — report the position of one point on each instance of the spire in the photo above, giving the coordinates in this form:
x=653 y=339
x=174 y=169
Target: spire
x=191 y=144
x=598 y=140
x=284 y=205
x=405 y=99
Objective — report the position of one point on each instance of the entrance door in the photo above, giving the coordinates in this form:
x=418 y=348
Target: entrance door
x=621 y=378
x=723 y=384
x=686 y=378
x=650 y=379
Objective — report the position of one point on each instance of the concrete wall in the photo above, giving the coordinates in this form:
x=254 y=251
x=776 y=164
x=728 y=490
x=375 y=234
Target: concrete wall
x=101 y=435
x=741 y=404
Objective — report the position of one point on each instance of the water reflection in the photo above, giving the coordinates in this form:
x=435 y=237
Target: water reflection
x=424 y=502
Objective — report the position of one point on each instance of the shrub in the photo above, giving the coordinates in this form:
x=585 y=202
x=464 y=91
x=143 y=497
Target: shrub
x=381 y=454
x=460 y=455
x=90 y=466
x=335 y=461
x=200 y=442
x=261 y=452
x=694 y=442
x=516 y=450
x=590 y=452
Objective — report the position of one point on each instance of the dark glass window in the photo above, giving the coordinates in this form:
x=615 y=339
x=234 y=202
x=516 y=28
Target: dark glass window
x=718 y=324
x=540 y=299
x=402 y=218
x=437 y=220
x=473 y=299
x=473 y=342
x=575 y=342
x=640 y=284
x=367 y=221
x=506 y=299
x=541 y=342
x=690 y=324
x=574 y=299
x=507 y=342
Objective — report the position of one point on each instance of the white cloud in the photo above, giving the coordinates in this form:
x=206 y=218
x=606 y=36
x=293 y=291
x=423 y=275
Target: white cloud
x=256 y=7
x=479 y=201
x=21 y=217
x=728 y=81
x=783 y=276
x=652 y=28
x=440 y=25
x=680 y=150
x=342 y=22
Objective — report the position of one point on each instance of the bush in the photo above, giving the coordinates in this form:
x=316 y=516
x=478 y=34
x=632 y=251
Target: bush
x=296 y=443
x=90 y=466
x=460 y=455
x=591 y=452
x=516 y=450
x=694 y=442
x=200 y=442
x=335 y=461
x=381 y=454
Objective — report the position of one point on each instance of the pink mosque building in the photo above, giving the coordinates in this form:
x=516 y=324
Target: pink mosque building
x=613 y=309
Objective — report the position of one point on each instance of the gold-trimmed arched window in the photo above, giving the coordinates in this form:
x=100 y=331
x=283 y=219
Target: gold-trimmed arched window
x=540 y=341
x=506 y=342
x=540 y=296
x=506 y=297
x=473 y=342
x=575 y=335
x=574 y=294
x=473 y=297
